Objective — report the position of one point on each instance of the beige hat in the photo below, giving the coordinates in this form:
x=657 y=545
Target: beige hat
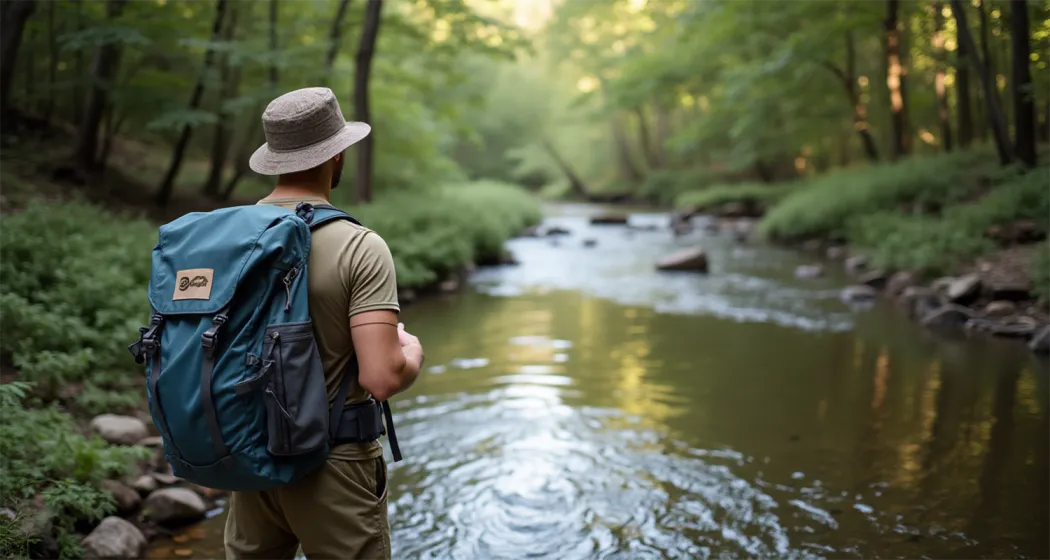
x=304 y=128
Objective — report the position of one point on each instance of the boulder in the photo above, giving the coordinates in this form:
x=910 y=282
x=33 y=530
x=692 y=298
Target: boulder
x=1017 y=326
x=948 y=316
x=590 y=242
x=941 y=285
x=165 y=478
x=609 y=219
x=836 y=253
x=918 y=301
x=900 y=281
x=144 y=484
x=855 y=294
x=174 y=505
x=151 y=441
x=809 y=271
x=694 y=259
x=119 y=430
x=1040 y=343
x=114 y=538
x=965 y=289
x=127 y=499
x=876 y=279
x=856 y=264
x=1000 y=308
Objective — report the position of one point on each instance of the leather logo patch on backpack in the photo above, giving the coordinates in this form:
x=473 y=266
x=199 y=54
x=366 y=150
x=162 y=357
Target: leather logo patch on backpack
x=194 y=283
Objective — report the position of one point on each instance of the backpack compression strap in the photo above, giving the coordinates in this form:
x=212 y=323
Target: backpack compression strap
x=309 y=213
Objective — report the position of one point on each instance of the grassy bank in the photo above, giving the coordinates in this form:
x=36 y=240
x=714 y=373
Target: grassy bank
x=73 y=295
x=929 y=214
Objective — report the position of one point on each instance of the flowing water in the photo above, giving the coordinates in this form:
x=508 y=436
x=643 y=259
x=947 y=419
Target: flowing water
x=582 y=405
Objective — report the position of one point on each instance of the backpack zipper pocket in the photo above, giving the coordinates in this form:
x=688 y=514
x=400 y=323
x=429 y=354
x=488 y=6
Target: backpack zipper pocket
x=287 y=281
x=295 y=394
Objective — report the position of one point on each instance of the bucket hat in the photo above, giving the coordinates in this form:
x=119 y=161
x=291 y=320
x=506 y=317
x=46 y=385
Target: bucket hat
x=303 y=129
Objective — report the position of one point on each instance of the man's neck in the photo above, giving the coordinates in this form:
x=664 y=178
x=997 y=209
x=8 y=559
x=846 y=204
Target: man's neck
x=299 y=191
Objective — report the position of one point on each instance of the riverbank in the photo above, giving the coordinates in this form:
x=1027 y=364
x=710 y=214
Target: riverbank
x=78 y=455
x=956 y=232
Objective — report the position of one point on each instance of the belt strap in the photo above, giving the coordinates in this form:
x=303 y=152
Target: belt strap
x=362 y=422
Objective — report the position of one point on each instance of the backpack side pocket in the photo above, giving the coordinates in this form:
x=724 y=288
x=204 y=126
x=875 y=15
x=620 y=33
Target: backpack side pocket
x=296 y=395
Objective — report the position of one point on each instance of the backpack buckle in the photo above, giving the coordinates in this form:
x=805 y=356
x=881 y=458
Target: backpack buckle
x=147 y=344
x=209 y=337
x=305 y=210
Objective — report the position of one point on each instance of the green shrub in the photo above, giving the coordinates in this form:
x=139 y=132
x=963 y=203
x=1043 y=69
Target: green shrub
x=1041 y=271
x=44 y=458
x=758 y=195
x=824 y=207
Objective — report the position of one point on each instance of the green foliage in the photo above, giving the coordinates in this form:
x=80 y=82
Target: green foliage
x=1041 y=271
x=757 y=195
x=917 y=243
x=49 y=472
x=435 y=233
x=826 y=205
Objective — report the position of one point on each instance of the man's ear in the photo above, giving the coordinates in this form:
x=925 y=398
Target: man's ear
x=337 y=157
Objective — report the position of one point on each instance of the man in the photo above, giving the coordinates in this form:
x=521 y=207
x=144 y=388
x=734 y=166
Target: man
x=341 y=510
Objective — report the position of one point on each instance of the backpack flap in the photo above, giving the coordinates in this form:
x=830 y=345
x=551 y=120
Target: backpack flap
x=200 y=258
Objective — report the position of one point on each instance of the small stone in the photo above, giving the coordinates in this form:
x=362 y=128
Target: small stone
x=590 y=242
x=119 y=430
x=809 y=271
x=556 y=230
x=609 y=219
x=450 y=285
x=1014 y=327
x=941 y=285
x=856 y=264
x=899 y=282
x=1040 y=343
x=876 y=279
x=151 y=441
x=144 y=484
x=114 y=538
x=165 y=479
x=694 y=259
x=1000 y=309
x=836 y=253
x=859 y=293
x=170 y=505
x=127 y=499
x=948 y=316
x=965 y=289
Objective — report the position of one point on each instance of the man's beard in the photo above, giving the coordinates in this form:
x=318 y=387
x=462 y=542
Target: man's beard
x=337 y=173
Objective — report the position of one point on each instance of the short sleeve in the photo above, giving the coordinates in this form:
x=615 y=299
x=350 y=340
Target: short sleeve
x=373 y=280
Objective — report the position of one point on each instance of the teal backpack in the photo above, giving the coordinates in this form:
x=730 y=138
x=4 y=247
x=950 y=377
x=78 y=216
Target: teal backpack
x=235 y=383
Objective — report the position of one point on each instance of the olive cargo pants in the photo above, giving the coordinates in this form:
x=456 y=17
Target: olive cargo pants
x=338 y=512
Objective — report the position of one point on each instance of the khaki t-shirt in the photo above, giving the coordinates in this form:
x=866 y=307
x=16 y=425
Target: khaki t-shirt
x=350 y=270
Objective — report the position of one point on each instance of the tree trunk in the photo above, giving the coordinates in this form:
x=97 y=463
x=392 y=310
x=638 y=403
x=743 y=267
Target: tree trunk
x=578 y=186
x=646 y=139
x=273 y=43
x=103 y=71
x=15 y=14
x=860 y=111
x=896 y=72
x=986 y=49
x=943 y=113
x=995 y=112
x=220 y=146
x=111 y=129
x=663 y=132
x=1021 y=84
x=628 y=169
x=52 y=62
x=962 y=94
x=334 y=37
x=168 y=183
x=78 y=67
x=361 y=110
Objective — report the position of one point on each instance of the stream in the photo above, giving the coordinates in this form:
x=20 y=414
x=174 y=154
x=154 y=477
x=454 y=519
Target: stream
x=584 y=405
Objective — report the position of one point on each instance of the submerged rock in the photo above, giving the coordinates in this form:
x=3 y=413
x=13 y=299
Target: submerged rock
x=590 y=242
x=948 y=316
x=114 y=538
x=809 y=271
x=694 y=259
x=609 y=219
x=171 y=505
x=119 y=430
x=1040 y=343
x=965 y=288
x=918 y=301
x=876 y=279
x=856 y=294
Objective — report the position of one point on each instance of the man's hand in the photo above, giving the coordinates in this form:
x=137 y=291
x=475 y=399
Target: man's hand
x=410 y=346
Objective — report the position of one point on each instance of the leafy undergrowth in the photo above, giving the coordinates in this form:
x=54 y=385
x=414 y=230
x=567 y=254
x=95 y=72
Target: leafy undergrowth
x=826 y=206
x=760 y=196
x=1041 y=271
x=73 y=280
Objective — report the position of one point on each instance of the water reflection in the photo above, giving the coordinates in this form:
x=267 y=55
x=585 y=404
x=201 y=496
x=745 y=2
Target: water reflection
x=563 y=424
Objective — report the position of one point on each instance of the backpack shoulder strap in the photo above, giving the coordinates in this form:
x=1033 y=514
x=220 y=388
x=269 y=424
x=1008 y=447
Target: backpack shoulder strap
x=317 y=215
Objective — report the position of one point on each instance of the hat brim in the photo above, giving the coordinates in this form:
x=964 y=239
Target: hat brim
x=269 y=162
